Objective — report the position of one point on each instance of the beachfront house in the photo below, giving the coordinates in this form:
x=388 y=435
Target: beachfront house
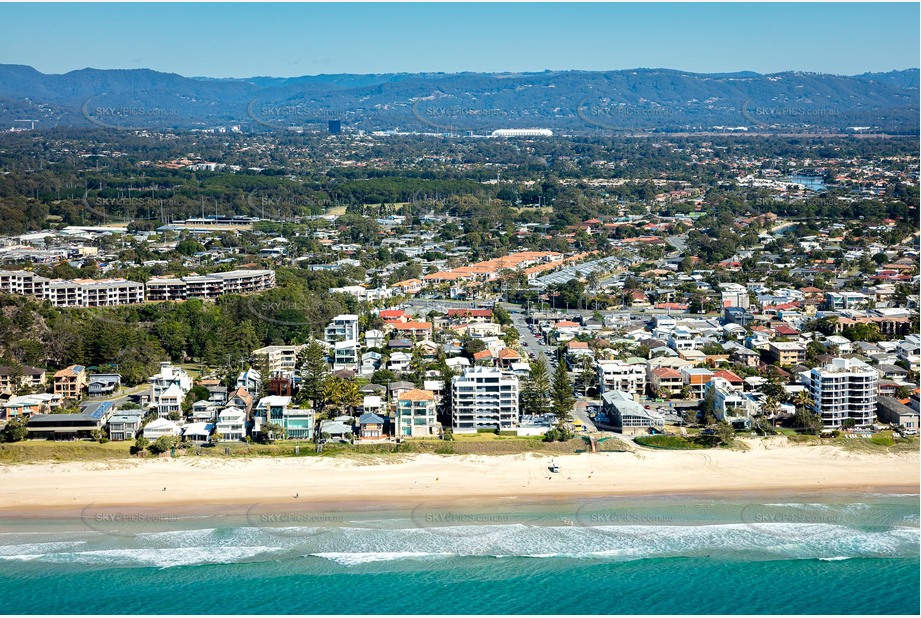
x=416 y=415
x=160 y=427
x=371 y=427
x=231 y=423
x=125 y=425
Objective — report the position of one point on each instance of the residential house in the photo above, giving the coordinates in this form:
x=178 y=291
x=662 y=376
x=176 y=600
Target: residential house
x=160 y=427
x=170 y=401
x=101 y=384
x=168 y=377
x=231 y=423
x=251 y=380
x=124 y=425
x=416 y=414
x=696 y=380
x=269 y=410
x=371 y=427
x=197 y=432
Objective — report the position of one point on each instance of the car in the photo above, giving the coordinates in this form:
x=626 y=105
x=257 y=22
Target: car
x=524 y=343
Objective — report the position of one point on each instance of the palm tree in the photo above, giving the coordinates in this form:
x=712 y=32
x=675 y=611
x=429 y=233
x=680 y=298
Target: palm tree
x=803 y=399
x=770 y=408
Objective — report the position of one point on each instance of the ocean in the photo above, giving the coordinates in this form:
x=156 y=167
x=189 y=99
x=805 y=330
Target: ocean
x=767 y=554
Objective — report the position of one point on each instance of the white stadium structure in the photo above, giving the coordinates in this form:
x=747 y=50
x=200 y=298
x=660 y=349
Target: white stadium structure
x=522 y=133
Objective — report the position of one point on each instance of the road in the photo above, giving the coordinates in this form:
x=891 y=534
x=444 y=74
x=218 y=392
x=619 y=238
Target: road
x=527 y=337
x=678 y=242
x=124 y=395
x=579 y=413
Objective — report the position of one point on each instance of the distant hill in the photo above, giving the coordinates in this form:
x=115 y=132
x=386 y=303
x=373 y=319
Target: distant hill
x=565 y=101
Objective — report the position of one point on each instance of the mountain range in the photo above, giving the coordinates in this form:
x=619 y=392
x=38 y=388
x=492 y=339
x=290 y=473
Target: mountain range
x=657 y=100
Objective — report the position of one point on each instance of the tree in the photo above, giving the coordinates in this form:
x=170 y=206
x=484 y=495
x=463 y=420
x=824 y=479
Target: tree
x=197 y=393
x=501 y=315
x=472 y=346
x=216 y=437
x=340 y=394
x=383 y=376
x=587 y=378
x=708 y=407
x=314 y=372
x=536 y=388
x=15 y=430
x=164 y=443
x=561 y=395
x=770 y=409
x=725 y=432
x=689 y=416
x=140 y=444
x=807 y=420
x=271 y=431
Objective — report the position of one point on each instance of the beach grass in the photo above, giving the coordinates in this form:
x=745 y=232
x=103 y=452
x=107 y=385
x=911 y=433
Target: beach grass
x=34 y=451
x=668 y=442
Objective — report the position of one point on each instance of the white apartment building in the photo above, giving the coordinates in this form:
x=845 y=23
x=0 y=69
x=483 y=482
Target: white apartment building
x=277 y=357
x=111 y=292
x=344 y=327
x=210 y=286
x=682 y=339
x=730 y=404
x=846 y=388
x=484 y=397
x=615 y=375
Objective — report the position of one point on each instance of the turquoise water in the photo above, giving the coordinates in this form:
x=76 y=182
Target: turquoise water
x=681 y=555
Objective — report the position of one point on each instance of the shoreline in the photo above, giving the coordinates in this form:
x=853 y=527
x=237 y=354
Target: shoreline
x=202 y=485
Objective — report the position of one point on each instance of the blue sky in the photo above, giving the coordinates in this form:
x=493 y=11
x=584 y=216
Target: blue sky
x=243 y=40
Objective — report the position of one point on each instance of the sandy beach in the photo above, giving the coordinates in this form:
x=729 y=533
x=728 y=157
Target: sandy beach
x=205 y=482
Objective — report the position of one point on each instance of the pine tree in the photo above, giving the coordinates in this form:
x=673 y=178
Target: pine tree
x=562 y=398
x=536 y=388
x=314 y=372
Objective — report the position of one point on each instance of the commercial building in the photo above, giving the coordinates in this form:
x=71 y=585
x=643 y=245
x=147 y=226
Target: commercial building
x=627 y=416
x=92 y=417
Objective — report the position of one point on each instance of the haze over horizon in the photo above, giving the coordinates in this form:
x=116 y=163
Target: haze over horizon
x=242 y=40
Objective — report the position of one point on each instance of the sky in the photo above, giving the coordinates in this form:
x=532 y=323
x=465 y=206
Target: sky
x=285 y=40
